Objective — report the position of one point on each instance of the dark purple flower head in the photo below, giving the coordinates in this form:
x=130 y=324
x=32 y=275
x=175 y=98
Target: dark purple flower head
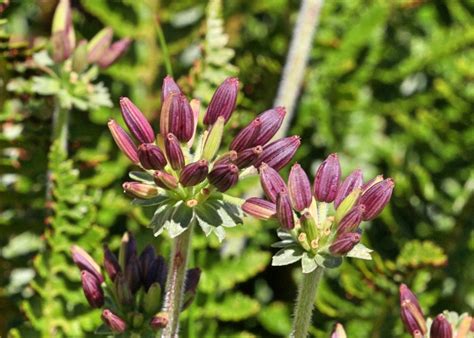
x=326 y=181
x=224 y=176
x=111 y=263
x=441 y=328
x=248 y=157
x=136 y=121
x=92 y=289
x=173 y=152
x=299 y=188
x=223 y=101
x=194 y=173
x=151 y=156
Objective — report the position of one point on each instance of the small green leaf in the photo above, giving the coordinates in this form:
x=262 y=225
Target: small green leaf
x=141 y=176
x=179 y=220
x=158 y=200
x=162 y=213
x=287 y=256
x=308 y=263
x=45 y=85
x=283 y=244
x=360 y=251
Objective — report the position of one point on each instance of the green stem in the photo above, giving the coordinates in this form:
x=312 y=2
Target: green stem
x=164 y=48
x=175 y=282
x=305 y=303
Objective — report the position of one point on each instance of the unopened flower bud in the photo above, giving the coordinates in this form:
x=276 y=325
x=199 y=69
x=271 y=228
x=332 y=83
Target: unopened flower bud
x=173 y=152
x=339 y=332
x=248 y=157
x=79 y=57
x=213 y=139
x=165 y=180
x=146 y=259
x=259 y=208
x=277 y=154
x=169 y=86
x=124 y=294
x=351 y=221
x=159 y=321
x=100 y=43
x=376 y=198
x=370 y=183
x=411 y=312
x=299 y=188
x=247 y=136
x=132 y=274
x=63 y=36
x=407 y=294
x=223 y=101
x=151 y=156
x=140 y=190
x=123 y=141
x=344 y=243
x=180 y=118
x=441 y=328
x=190 y=286
x=92 y=289
x=194 y=173
x=136 y=121
x=284 y=211
x=226 y=158
x=114 y=322
x=353 y=181
x=111 y=263
x=326 y=181
x=114 y=52
x=224 y=176
x=152 y=300
x=271 y=122
x=156 y=273
x=85 y=262
x=271 y=181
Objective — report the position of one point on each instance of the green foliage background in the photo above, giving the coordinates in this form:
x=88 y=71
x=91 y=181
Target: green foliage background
x=389 y=87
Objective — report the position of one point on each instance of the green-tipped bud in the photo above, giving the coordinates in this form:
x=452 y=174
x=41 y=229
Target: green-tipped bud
x=79 y=58
x=99 y=45
x=63 y=36
x=123 y=292
x=140 y=190
x=165 y=180
x=159 y=321
x=347 y=204
x=152 y=300
x=308 y=223
x=214 y=139
x=137 y=320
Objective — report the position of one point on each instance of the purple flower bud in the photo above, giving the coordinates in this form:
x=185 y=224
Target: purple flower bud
x=111 y=263
x=165 y=180
x=151 y=156
x=114 y=53
x=63 y=36
x=181 y=118
x=99 y=45
x=248 y=157
x=140 y=190
x=271 y=181
x=370 y=183
x=136 y=121
x=132 y=273
x=410 y=311
x=124 y=294
x=271 y=121
x=407 y=294
x=344 y=243
x=226 y=158
x=259 y=208
x=441 y=328
x=146 y=259
x=190 y=286
x=277 y=154
x=284 y=211
x=123 y=141
x=194 y=173
x=159 y=321
x=376 y=198
x=114 y=322
x=156 y=272
x=299 y=188
x=92 y=289
x=169 y=86
x=353 y=181
x=224 y=176
x=247 y=136
x=339 y=332
x=223 y=101
x=351 y=221
x=174 y=152
x=85 y=262
x=326 y=180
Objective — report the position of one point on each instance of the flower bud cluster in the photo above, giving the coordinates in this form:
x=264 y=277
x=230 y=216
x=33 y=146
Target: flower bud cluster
x=415 y=323
x=323 y=218
x=180 y=169
x=131 y=291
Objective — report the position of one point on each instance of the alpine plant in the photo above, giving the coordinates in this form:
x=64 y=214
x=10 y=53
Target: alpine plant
x=321 y=223
x=183 y=174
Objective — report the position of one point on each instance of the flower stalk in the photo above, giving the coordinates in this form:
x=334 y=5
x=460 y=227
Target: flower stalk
x=305 y=302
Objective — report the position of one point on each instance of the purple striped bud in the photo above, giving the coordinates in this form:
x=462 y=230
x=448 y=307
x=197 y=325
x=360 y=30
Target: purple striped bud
x=226 y=158
x=247 y=136
x=370 y=183
x=99 y=44
x=181 y=118
x=224 y=176
x=351 y=221
x=165 y=180
x=344 y=243
x=271 y=122
x=407 y=294
x=123 y=141
x=299 y=188
x=114 y=322
x=140 y=190
x=223 y=101
x=271 y=181
x=136 y=121
x=353 y=181
x=159 y=321
x=326 y=181
x=146 y=258
x=156 y=273
x=92 y=289
x=441 y=328
x=111 y=263
x=128 y=248
x=259 y=208
x=85 y=262
x=376 y=198
x=190 y=286
x=410 y=311
x=284 y=211
x=173 y=152
x=248 y=157
x=339 y=332
x=151 y=156
x=169 y=86
x=132 y=273
x=194 y=173
x=277 y=154
x=114 y=53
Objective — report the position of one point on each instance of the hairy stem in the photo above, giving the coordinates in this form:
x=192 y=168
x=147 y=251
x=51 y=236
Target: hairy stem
x=305 y=303
x=175 y=282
